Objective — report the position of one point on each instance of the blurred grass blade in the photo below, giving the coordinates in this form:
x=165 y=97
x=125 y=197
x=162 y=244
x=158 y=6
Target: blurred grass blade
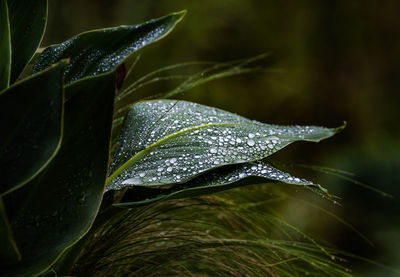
x=154 y=77
x=216 y=72
x=8 y=248
x=27 y=24
x=63 y=200
x=344 y=175
x=214 y=181
x=165 y=142
x=99 y=51
x=361 y=235
x=5 y=46
x=31 y=120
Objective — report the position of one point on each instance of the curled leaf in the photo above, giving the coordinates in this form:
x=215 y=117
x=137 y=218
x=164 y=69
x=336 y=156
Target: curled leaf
x=165 y=142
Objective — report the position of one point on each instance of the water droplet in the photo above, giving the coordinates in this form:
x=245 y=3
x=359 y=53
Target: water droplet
x=251 y=135
x=173 y=160
x=250 y=142
x=169 y=169
x=132 y=181
x=213 y=150
x=142 y=174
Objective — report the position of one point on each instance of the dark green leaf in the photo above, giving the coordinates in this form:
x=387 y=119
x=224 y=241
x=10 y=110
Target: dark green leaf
x=8 y=248
x=101 y=51
x=31 y=119
x=5 y=46
x=50 y=273
x=27 y=23
x=220 y=179
x=165 y=142
x=58 y=207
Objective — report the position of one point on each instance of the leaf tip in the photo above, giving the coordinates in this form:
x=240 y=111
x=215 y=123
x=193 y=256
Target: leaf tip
x=179 y=15
x=340 y=128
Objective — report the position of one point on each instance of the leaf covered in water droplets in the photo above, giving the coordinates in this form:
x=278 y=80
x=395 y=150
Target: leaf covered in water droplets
x=220 y=179
x=100 y=51
x=167 y=141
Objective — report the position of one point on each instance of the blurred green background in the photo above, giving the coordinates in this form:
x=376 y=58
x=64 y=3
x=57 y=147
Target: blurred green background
x=338 y=60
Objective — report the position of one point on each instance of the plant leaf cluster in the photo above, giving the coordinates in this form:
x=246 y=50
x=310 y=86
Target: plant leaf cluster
x=58 y=137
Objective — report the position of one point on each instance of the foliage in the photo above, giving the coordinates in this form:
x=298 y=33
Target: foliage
x=60 y=129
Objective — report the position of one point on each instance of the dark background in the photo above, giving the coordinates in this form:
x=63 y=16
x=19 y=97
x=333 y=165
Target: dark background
x=338 y=60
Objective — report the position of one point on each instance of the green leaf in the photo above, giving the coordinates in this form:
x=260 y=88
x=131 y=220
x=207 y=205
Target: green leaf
x=100 y=51
x=27 y=24
x=8 y=248
x=5 y=46
x=31 y=120
x=58 y=207
x=220 y=179
x=50 y=273
x=165 y=142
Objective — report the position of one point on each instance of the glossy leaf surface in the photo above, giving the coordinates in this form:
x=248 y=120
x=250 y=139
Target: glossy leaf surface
x=60 y=204
x=5 y=46
x=8 y=248
x=165 y=142
x=31 y=116
x=220 y=179
x=27 y=24
x=101 y=51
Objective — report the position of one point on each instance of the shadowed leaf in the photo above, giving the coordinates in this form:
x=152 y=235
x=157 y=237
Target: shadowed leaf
x=5 y=46
x=63 y=200
x=27 y=24
x=8 y=248
x=31 y=119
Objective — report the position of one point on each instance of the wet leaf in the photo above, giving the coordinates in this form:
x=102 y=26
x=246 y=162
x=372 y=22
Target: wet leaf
x=60 y=204
x=220 y=179
x=165 y=142
x=99 y=51
x=31 y=122
x=5 y=46
x=27 y=24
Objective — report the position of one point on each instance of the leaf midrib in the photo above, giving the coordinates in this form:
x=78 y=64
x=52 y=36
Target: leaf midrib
x=147 y=149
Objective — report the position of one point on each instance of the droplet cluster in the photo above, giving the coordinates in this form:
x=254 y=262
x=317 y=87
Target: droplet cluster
x=89 y=55
x=236 y=173
x=167 y=141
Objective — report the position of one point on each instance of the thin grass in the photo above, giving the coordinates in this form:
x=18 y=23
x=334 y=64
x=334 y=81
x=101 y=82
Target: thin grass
x=208 y=236
x=344 y=175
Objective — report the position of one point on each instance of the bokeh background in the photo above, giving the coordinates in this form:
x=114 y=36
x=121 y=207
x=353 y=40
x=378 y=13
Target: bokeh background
x=338 y=61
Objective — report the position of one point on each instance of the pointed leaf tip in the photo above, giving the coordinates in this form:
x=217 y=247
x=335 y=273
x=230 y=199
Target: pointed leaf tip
x=340 y=128
x=180 y=15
